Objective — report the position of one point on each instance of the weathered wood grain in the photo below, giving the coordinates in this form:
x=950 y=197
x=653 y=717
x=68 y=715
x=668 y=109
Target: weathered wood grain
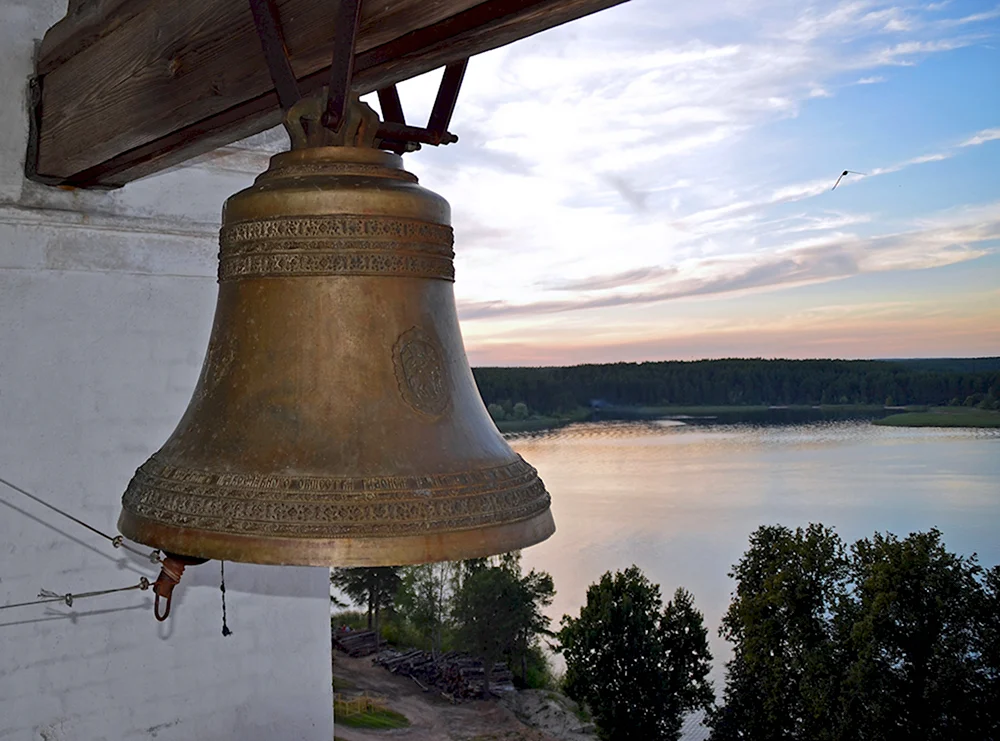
x=86 y=21
x=139 y=85
x=180 y=61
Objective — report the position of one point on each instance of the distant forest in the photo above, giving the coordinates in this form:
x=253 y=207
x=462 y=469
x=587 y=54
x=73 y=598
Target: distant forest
x=561 y=390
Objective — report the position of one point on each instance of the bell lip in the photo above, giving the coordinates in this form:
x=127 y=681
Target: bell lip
x=454 y=545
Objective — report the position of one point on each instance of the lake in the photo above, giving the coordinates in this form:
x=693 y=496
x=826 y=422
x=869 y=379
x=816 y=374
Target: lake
x=679 y=499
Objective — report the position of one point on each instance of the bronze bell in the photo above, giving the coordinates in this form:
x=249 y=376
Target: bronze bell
x=336 y=421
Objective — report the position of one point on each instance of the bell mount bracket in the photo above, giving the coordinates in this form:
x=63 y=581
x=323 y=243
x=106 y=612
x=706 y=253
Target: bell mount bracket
x=393 y=132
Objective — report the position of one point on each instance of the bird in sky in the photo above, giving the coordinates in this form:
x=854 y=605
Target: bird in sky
x=843 y=175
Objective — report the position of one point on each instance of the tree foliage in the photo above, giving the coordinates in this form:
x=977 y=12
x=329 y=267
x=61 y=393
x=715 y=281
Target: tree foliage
x=424 y=598
x=990 y=645
x=372 y=587
x=554 y=390
x=783 y=653
x=498 y=610
x=895 y=639
x=638 y=666
x=915 y=639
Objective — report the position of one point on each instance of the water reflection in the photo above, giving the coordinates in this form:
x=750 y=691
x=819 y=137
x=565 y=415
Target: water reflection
x=679 y=500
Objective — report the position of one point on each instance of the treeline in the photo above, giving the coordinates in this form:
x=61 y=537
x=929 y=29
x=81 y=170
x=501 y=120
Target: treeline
x=561 y=390
x=886 y=638
x=956 y=365
x=487 y=607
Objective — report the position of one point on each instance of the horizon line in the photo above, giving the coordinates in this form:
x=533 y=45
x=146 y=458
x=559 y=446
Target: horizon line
x=759 y=358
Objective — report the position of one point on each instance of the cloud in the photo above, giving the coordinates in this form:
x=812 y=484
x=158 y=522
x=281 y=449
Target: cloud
x=905 y=54
x=633 y=197
x=897 y=25
x=973 y=18
x=863 y=330
x=601 y=283
x=667 y=86
x=981 y=137
x=809 y=189
x=922 y=159
x=655 y=151
x=956 y=239
x=825 y=222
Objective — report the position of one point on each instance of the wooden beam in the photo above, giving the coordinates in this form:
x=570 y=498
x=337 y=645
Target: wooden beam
x=129 y=87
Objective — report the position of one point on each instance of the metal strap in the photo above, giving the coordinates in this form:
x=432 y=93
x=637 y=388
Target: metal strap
x=272 y=41
x=345 y=31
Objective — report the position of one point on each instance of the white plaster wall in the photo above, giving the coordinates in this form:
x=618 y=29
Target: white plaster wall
x=106 y=303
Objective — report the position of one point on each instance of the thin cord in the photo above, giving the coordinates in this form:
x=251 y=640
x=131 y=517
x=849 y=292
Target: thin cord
x=117 y=541
x=222 y=587
x=47 y=596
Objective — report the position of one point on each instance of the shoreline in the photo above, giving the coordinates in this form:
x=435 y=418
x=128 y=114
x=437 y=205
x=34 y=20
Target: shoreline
x=908 y=416
x=944 y=417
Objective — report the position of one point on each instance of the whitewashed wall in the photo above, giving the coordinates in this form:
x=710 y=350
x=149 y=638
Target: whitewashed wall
x=106 y=302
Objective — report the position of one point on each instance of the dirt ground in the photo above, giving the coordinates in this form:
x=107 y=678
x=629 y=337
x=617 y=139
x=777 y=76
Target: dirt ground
x=433 y=718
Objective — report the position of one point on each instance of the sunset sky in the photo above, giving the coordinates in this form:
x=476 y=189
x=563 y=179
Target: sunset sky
x=653 y=182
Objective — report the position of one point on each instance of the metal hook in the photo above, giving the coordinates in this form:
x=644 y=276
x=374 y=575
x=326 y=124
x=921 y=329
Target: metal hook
x=171 y=571
x=156 y=608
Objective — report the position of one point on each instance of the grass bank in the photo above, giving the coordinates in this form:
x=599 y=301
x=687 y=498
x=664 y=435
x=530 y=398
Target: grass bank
x=657 y=412
x=536 y=423
x=533 y=424
x=375 y=718
x=943 y=417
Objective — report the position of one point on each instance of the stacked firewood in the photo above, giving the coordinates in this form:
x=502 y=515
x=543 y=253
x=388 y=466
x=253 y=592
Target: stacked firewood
x=356 y=643
x=457 y=675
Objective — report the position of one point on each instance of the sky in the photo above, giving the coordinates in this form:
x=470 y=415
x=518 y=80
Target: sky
x=653 y=182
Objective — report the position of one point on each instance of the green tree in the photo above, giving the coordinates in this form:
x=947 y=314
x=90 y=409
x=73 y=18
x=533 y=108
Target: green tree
x=520 y=410
x=898 y=639
x=556 y=390
x=536 y=591
x=424 y=598
x=989 y=649
x=916 y=642
x=638 y=666
x=784 y=669
x=374 y=587
x=498 y=611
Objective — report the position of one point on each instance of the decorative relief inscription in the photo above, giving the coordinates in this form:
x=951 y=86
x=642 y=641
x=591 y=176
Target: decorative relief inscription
x=320 y=488
x=310 y=246
x=373 y=227
x=420 y=372
x=289 y=506
x=340 y=263
x=335 y=245
x=218 y=360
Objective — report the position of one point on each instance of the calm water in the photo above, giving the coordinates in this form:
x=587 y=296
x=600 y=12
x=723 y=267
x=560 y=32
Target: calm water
x=679 y=500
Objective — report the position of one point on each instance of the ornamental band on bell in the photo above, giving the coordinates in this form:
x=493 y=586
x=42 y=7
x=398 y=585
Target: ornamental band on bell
x=336 y=245
x=303 y=506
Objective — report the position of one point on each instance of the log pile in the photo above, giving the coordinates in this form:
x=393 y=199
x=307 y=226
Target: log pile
x=457 y=675
x=356 y=643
